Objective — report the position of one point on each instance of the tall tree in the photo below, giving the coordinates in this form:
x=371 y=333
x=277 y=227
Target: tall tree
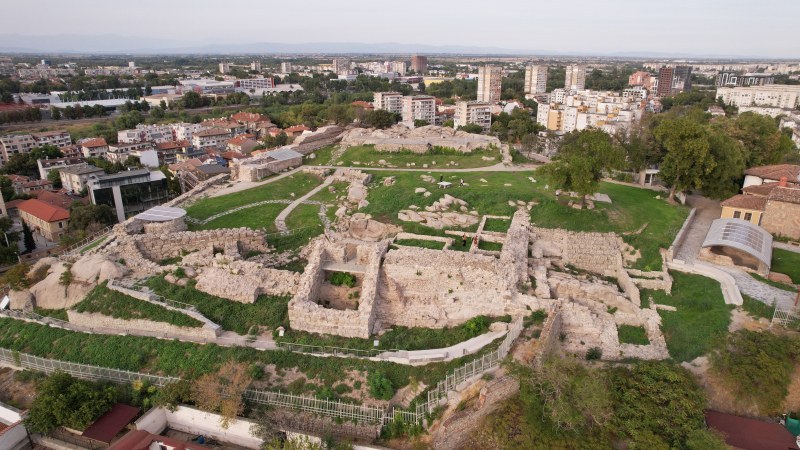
x=27 y=238
x=763 y=141
x=688 y=160
x=582 y=158
x=222 y=392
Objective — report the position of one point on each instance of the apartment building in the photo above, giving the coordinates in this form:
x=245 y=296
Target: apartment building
x=93 y=147
x=340 y=65
x=146 y=133
x=419 y=64
x=129 y=192
x=75 y=178
x=478 y=113
x=14 y=144
x=48 y=165
x=575 y=77
x=45 y=219
x=535 y=79
x=609 y=111
x=256 y=83
x=212 y=138
x=732 y=78
x=54 y=138
x=286 y=67
x=256 y=66
x=674 y=80
x=774 y=95
x=490 y=80
x=419 y=107
x=224 y=68
x=389 y=101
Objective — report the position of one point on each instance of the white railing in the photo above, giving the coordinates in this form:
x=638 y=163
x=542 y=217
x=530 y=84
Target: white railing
x=74 y=248
x=469 y=370
x=784 y=317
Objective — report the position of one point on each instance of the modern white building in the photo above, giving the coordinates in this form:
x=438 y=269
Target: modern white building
x=773 y=95
x=478 y=113
x=207 y=86
x=575 y=79
x=389 y=101
x=490 y=79
x=256 y=83
x=419 y=107
x=286 y=67
x=256 y=66
x=224 y=68
x=535 y=79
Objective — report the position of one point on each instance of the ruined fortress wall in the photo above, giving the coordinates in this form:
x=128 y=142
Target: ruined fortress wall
x=94 y=320
x=514 y=255
x=158 y=247
x=595 y=252
x=324 y=136
x=170 y=226
x=245 y=282
x=192 y=194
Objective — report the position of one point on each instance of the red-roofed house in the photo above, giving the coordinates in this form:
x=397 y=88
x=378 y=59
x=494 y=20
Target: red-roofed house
x=254 y=122
x=36 y=185
x=48 y=220
x=93 y=147
x=363 y=104
x=775 y=206
x=244 y=143
x=296 y=130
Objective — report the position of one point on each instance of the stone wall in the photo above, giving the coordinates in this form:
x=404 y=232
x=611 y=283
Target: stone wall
x=782 y=218
x=170 y=226
x=514 y=255
x=94 y=320
x=244 y=281
x=192 y=194
x=595 y=252
x=258 y=167
x=550 y=336
x=681 y=236
x=323 y=137
x=400 y=137
x=158 y=247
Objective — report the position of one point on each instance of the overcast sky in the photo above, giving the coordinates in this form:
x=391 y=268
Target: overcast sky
x=767 y=28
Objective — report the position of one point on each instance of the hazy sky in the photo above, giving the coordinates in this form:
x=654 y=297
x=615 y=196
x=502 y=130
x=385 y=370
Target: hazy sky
x=766 y=28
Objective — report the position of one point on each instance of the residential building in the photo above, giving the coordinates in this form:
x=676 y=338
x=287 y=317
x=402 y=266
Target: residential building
x=34 y=186
x=93 y=147
x=243 y=143
x=129 y=192
x=340 y=65
x=145 y=152
x=256 y=83
x=256 y=66
x=296 y=130
x=419 y=107
x=147 y=133
x=535 y=79
x=608 y=111
x=207 y=86
x=14 y=144
x=54 y=138
x=490 y=79
x=398 y=67
x=665 y=75
x=478 y=113
x=212 y=138
x=419 y=64
x=682 y=81
x=774 y=95
x=75 y=178
x=174 y=151
x=575 y=77
x=640 y=78
x=45 y=219
x=732 y=78
x=48 y=165
x=286 y=67
x=224 y=68
x=389 y=101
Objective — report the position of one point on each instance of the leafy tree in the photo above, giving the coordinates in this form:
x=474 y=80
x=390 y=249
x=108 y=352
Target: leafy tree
x=7 y=188
x=27 y=238
x=420 y=123
x=380 y=386
x=192 y=99
x=729 y=155
x=17 y=276
x=471 y=128
x=65 y=401
x=222 y=392
x=129 y=120
x=90 y=217
x=657 y=398
x=688 y=159
x=173 y=394
x=55 y=177
x=763 y=141
x=705 y=440
x=340 y=114
x=380 y=118
x=55 y=113
x=582 y=158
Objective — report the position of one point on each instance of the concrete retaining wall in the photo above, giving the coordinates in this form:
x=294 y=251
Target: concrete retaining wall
x=94 y=320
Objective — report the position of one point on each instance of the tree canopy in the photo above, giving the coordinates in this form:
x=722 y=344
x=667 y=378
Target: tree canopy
x=582 y=158
x=62 y=400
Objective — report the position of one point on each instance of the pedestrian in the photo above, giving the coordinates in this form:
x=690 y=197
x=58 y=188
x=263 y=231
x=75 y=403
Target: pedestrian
x=464 y=240
x=462 y=182
x=441 y=178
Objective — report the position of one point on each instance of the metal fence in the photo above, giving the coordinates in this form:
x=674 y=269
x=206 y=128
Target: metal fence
x=331 y=408
x=785 y=317
x=76 y=247
x=469 y=370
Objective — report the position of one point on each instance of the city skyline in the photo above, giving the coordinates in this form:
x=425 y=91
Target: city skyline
x=619 y=27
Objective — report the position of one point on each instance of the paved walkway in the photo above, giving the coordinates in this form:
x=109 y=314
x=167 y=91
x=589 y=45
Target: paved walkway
x=707 y=211
x=760 y=291
x=787 y=247
x=280 y=221
x=244 y=185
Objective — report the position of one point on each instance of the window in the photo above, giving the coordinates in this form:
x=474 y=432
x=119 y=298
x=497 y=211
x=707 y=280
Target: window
x=748 y=216
x=737 y=214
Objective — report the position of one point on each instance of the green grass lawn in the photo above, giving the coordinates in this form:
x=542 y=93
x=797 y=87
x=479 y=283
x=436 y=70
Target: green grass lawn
x=323 y=156
x=270 y=312
x=305 y=224
x=490 y=246
x=366 y=155
x=260 y=217
x=786 y=262
x=420 y=243
x=498 y=225
x=102 y=300
x=701 y=317
x=629 y=334
x=60 y=314
x=299 y=184
x=757 y=309
x=631 y=208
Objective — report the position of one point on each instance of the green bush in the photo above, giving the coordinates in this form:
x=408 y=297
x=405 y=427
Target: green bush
x=103 y=300
x=343 y=279
x=594 y=353
x=380 y=387
x=65 y=401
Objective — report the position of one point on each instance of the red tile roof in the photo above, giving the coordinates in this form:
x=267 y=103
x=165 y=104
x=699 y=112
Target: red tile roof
x=275 y=132
x=751 y=202
x=297 y=128
x=94 y=142
x=776 y=172
x=785 y=194
x=212 y=132
x=249 y=117
x=35 y=183
x=105 y=428
x=18 y=178
x=363 y=104
x=55 y=198
x=240 y=139
x=43 y=210
x=750 y=434
x=233 y=155
x=172 y=145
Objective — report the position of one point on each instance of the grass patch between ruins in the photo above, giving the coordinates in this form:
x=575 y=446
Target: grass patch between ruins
x=422 y=243
x=757 y=309
x=59 y=314
x=629 y=334
x=367 y=156
x=775 y=284
x=786 y=262
x=102 y=300
x=497 y=225
x=270 y=312
x=702 y=317
x=490 y=246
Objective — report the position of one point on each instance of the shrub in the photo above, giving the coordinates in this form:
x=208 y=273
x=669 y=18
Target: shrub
x=380 y=387
x=256 y=372
x=179 y=272
x=343 y=279
x=594 y=353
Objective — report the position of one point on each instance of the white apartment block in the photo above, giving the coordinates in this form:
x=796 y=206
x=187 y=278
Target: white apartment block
x=146 y=133
x=224 y=68
x=286 y=67
x=396 y=67
x=255 y=65
x=773 y=95
x=55 y=138
x=558 y=96
x=478 y=113
x=256 y=83
x=211 y=138
x=535 y=79
x=609 y=111
x=490 y=79
x=340 y=65
x=13 y=144
x=389 y=101
x=575 y=79
x=419 y=107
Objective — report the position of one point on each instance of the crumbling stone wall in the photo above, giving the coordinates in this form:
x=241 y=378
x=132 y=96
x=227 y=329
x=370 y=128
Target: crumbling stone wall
x=158 y=247
x=514 y=254
x=94 y=320
x=245 y=281
x=323 y=137
x=400 y=137
x=195 y=192
x=595 y=252
x=170 y=226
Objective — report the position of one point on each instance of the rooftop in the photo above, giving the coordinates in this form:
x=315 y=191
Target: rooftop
x=93 y=142
x=105 y=428
x=741 y=235
x=83 y=170
x=776 y=172
x=43 y=210
x=751 y=202
x=161 y=214
x=746 y=433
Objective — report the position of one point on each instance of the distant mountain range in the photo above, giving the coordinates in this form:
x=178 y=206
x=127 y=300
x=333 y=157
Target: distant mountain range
x=116 y=44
